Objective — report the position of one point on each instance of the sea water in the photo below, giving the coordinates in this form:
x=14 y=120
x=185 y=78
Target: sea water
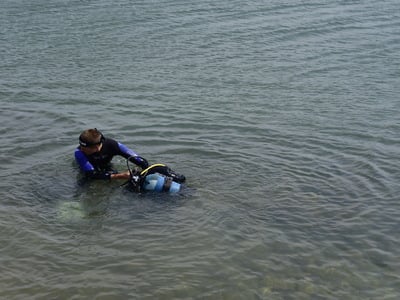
x=282 y=115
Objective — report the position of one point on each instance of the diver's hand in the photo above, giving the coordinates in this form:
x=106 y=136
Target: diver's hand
x=122 y=175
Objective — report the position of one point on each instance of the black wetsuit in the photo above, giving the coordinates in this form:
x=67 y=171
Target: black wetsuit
x=98 y=164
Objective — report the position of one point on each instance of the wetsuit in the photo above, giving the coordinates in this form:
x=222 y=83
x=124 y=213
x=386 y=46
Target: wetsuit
x=98 y=165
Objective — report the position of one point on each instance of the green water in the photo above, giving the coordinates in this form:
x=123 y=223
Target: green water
x=282 y=115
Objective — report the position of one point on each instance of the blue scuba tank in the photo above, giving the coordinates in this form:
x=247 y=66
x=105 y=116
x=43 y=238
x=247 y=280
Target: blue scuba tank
x=159 y=183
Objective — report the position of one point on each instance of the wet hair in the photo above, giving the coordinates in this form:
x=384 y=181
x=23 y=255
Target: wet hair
x=91 y=137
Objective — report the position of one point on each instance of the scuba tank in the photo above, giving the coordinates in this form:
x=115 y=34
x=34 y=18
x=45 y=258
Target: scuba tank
x=157 y=178
x=159 y=183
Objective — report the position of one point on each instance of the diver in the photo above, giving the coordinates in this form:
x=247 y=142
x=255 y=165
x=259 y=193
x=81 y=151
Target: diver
x=95 y=152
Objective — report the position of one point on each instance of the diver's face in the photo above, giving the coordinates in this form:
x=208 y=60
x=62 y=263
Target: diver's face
x=92 y=149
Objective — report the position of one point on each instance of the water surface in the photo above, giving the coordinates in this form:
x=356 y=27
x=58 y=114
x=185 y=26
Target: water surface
x=282 y=115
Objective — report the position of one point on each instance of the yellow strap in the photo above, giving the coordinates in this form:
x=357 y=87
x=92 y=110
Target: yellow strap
x=152 y=166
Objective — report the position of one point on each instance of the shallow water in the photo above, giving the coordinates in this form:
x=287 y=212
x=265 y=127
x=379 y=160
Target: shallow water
x=282 y=115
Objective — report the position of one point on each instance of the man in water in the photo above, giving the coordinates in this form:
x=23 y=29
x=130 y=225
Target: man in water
x=95 y=152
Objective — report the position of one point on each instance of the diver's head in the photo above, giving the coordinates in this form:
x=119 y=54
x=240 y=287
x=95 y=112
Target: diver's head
x=91 y=140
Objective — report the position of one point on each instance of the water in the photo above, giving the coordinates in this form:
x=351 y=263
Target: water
x=282 y=115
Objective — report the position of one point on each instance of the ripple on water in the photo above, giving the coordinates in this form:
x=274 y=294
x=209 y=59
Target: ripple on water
x=283 y=117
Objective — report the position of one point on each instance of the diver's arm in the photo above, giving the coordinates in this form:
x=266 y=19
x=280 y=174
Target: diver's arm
x=90 y=172
x=107 y=175
x=132 y=156
x=123 y=175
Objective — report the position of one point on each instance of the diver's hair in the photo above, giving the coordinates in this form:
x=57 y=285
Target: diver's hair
x=90 y=137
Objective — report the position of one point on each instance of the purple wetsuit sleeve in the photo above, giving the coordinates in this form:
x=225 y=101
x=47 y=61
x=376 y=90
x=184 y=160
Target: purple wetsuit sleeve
x=88 y=168
x=83 y=162
x=125 y=151
x=133 y=156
